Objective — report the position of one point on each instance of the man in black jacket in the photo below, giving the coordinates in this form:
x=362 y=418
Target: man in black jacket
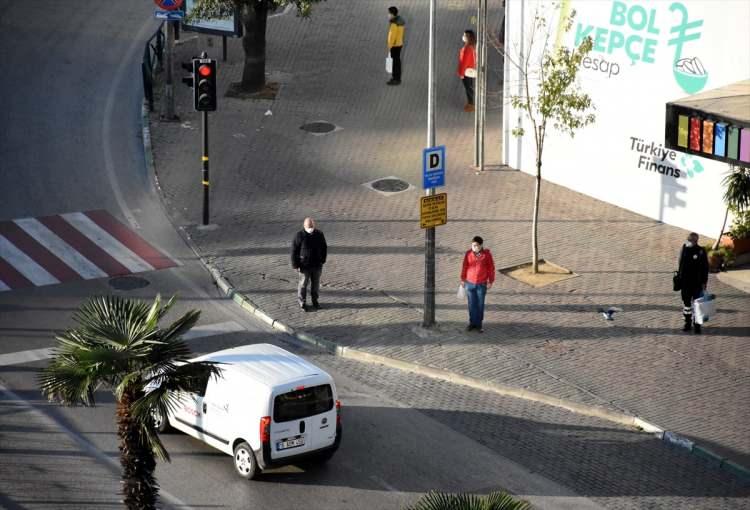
x=693 y=270
x=309 y=252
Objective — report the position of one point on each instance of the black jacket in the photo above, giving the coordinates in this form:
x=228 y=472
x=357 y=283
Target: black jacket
x=693 y=266
x=309 y=251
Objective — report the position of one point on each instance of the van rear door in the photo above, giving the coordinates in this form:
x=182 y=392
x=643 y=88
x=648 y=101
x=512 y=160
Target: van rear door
x=297 y=419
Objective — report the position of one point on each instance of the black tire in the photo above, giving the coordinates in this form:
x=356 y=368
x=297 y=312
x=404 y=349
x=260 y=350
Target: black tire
x=244 y=461
x=161 y=424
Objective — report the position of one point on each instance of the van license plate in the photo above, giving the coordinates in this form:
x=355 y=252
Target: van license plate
x=290 y=443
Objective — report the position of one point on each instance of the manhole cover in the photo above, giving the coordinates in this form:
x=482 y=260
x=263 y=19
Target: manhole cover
x=128 y=283
x=390 y=185
x=318 y=127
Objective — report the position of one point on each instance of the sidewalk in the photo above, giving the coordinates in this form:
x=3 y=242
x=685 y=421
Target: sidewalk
x=268 y=174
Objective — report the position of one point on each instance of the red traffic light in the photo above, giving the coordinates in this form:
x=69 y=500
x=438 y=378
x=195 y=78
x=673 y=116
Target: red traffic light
x=204 y=70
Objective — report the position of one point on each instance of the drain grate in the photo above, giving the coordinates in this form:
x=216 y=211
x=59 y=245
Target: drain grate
x=389 y=185
x=128 y=283
x=318 y=127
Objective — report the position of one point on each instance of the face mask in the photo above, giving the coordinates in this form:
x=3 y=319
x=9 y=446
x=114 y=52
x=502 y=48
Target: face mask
x=476 y=249
x=464 y=39
x=689 y=244
x=309 y=230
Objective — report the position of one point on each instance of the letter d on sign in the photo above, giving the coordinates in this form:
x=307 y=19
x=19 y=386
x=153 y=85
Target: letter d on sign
x=434 y=160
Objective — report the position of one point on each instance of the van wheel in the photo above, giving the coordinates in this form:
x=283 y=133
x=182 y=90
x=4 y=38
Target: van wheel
x=244 y=461
x=161 y=424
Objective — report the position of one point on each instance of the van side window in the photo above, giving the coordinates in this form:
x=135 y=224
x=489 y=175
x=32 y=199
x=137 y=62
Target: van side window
x=302 y=403
x=201 y=386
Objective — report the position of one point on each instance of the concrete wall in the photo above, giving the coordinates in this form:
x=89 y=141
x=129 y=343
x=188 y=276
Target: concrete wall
x=631 y=75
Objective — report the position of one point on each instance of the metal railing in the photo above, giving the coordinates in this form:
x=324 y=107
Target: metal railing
x=153 y=55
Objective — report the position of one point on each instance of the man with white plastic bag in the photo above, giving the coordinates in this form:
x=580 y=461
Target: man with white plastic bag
x=692 y=277
x=395 y=45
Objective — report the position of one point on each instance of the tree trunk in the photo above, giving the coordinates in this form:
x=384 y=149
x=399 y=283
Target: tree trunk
x=723 y=226
x=254 y=15
x=139 y=487
x=535 y=219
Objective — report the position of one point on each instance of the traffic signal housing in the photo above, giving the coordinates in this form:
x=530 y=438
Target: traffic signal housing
x=204 y=84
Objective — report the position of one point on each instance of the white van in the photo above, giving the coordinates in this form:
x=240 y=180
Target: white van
x=269 y=408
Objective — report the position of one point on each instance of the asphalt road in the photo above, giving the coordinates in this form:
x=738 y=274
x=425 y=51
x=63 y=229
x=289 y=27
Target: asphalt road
x=72 y=142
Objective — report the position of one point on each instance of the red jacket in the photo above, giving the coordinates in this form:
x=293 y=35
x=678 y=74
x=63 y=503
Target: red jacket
x=478 y=269
x=467 y=57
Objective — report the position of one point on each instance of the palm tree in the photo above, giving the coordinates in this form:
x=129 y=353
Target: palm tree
x=492 y=501
x=736 y=195
x=119 y=345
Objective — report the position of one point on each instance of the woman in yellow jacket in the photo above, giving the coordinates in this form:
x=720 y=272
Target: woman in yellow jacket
x=395 y=43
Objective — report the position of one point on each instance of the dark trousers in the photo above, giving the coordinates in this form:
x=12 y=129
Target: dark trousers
x=689 y=293
x=309 y=277
x=469 y=86
x=396 y=56
x=475 y=294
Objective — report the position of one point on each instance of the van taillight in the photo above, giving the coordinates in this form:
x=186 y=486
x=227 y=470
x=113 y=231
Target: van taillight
x=338 y=412
x=265 y=429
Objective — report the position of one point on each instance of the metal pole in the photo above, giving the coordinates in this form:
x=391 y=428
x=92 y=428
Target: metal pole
x=168 y=107
x=224 y=48
x=204 y=161
x=429 y=260
x=483 y=86
x=477 y=109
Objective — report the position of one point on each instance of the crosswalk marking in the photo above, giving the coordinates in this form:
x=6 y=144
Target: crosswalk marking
x=115 y=248
x=74 y=246
x=204 y=331
x=25 y=265
x=63 y=250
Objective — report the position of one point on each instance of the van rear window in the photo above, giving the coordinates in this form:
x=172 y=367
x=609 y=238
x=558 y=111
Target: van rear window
x=302 y=403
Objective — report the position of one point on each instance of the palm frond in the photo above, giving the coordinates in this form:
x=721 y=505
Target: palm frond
x=67 y=384
x=493 y=501
x=737 y=189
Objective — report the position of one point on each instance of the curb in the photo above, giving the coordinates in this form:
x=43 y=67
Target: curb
x=673 y=439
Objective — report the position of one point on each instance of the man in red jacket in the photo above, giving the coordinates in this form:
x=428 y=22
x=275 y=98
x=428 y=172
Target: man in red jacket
x=477 y=275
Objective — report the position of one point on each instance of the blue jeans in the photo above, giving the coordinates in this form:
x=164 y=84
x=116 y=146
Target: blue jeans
x=475 y=295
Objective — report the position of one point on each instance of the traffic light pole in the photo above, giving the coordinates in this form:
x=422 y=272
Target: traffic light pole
x=428 y=319
x=204 y=161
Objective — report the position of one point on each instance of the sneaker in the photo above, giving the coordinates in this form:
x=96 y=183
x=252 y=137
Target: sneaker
x=316 y=305
x=469 y=327
x=303 y=306
x=697 y=329
x=393 y=82
x=480 y=329
x=686 y=327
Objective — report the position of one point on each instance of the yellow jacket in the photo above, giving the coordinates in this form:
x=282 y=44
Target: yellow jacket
x=396 y=32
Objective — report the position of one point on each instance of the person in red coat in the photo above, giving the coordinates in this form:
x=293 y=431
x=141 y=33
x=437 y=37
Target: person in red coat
x=477 y=275
x=467 y=67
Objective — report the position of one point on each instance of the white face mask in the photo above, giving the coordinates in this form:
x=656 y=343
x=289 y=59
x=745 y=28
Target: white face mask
x=689 y=244
x=475 y=248
x=309 y=230
x=464 y=39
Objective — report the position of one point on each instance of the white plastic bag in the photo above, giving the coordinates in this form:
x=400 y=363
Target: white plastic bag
x=704 y=308
x=470 y=72
x=461 y=293
x=388 y=64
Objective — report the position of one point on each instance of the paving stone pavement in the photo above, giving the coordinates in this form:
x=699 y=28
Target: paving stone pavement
x=268 y=174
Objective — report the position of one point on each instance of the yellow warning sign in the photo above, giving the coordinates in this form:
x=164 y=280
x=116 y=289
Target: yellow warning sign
x=433 y=210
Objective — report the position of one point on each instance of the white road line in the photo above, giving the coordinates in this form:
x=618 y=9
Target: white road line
x=107 y=242
x=208 y=330
x=25 y=264
x=3 y=286
x=18 y=358
x=60 y=248
x=220 y=328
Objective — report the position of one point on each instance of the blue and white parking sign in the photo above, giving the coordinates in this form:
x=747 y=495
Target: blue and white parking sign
x=433 y=167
